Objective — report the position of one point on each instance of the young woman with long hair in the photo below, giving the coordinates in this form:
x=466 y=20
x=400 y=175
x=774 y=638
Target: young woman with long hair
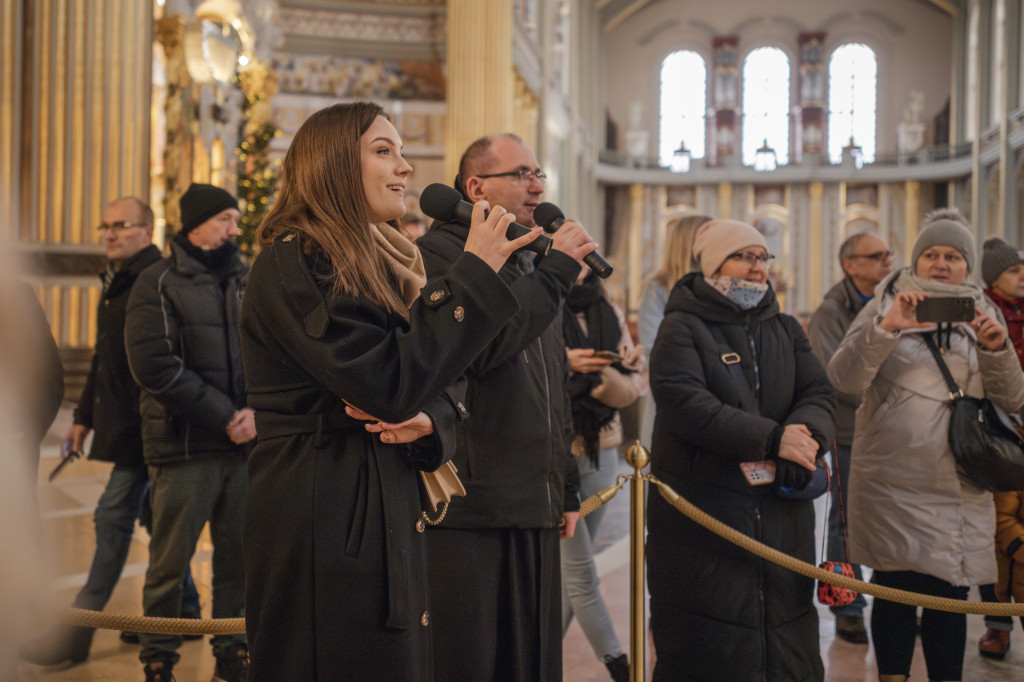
x=334 y=330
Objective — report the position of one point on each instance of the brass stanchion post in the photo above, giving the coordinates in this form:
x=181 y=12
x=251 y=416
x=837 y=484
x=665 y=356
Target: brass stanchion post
x=637 y=457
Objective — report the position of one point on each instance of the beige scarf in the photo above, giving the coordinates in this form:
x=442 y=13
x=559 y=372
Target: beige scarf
x=404 y=259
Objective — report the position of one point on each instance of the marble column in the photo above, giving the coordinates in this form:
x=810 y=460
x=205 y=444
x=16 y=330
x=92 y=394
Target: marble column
x=725 y=97
x=812 y=115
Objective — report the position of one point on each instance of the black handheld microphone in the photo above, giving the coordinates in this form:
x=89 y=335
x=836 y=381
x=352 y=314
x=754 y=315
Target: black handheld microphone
x=550 y=217
x=443 y=203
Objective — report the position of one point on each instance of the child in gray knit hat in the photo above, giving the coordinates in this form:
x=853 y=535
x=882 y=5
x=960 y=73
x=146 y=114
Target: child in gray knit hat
x=996 y=257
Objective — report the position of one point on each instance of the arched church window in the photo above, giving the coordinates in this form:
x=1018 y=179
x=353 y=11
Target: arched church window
x=684 y=78
x=765 y=104
x=852 y=100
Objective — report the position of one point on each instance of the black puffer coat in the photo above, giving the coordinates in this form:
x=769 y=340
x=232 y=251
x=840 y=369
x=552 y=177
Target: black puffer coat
x=181 y=334
x=110 y=400
x=718 y=612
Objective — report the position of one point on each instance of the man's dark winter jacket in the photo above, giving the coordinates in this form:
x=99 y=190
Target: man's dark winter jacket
x=110 y=400
x=718 y=611
x=182 y=339
x=513 y=454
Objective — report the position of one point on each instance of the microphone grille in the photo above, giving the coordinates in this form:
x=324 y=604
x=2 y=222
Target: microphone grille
x=439 y=201
x=546 y=213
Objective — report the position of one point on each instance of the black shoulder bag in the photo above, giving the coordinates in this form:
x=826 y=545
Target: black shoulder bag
x=988 y=453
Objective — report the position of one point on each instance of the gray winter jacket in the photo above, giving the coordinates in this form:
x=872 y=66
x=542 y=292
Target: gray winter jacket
x=826 y=331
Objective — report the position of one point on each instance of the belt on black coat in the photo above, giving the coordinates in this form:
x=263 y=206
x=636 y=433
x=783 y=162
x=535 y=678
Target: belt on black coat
x=324 y=425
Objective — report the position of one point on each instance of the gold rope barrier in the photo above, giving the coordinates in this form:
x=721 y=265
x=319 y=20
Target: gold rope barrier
x=762 y=550
x=157 y=626
x=638 y=457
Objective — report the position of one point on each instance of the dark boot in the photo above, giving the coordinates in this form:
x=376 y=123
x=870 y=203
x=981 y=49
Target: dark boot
x=64 y=644
x=618 y=666
x=851 y=629
x=232 y=664
x=159 y=671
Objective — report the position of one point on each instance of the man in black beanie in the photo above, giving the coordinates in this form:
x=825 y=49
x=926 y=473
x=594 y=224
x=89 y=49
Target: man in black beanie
x=182 y=339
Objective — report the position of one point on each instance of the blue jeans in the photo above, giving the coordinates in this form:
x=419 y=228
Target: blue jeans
x=836 y=544
x=184 y=497
x=122 y=501
x=580 y=583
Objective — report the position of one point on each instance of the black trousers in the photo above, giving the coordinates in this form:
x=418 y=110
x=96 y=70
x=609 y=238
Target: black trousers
x=894 y=627
x=495 y=603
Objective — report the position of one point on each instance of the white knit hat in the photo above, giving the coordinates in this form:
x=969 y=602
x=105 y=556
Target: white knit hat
x=719 y=239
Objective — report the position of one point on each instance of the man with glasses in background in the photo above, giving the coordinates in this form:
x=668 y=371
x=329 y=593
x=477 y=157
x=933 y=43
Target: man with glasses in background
x=109 y=405
x=499 y=544
x=865 y=259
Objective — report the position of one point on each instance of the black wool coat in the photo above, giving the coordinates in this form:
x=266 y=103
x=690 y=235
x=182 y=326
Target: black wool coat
x=334 y=556
x=110 y=400
x=718 y=611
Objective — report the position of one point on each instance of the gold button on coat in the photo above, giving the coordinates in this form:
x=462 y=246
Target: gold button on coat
x=425 y=619
x=437 y=296
x=420 y=526
x=459 y=314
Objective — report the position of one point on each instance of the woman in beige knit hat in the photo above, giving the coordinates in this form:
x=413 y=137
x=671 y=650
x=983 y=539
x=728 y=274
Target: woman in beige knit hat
x=743 y=411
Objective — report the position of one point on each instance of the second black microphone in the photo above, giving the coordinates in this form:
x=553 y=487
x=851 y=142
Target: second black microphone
x=443 y=203
x=550 y=217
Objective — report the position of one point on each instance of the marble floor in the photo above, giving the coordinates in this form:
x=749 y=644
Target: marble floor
x=66 y=506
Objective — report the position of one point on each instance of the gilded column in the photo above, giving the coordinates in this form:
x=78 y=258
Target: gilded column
x=911 y=212
x=724 y=201
x=10 y=119
x=636 y=245
x=481 y=79
x=816 y=228
x=74 y=120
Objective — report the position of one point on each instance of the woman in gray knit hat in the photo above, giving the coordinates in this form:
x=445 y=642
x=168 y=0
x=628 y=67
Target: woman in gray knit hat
x=912 y=518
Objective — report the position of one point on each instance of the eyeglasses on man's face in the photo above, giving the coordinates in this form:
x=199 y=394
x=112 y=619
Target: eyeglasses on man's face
x=523 y=176
x=752 y=259
x=879 y=256
x=119 y=226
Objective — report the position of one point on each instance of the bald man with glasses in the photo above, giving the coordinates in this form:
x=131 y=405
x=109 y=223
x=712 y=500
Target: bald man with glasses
x=499 y=546
x=866 y=260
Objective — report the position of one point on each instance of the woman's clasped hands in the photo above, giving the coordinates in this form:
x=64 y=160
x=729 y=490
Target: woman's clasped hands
x=393 y=433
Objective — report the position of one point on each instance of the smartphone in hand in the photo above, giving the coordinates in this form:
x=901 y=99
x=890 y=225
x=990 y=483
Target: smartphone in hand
x=946 y=309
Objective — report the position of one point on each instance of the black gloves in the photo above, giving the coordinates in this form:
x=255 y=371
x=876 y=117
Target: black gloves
x=791 y=475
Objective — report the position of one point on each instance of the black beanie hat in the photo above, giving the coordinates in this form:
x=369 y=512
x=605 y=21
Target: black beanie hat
x=996 y=258
x=201 y=202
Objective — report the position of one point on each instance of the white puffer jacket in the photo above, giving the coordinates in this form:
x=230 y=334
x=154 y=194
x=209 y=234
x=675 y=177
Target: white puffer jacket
x=908 y=507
